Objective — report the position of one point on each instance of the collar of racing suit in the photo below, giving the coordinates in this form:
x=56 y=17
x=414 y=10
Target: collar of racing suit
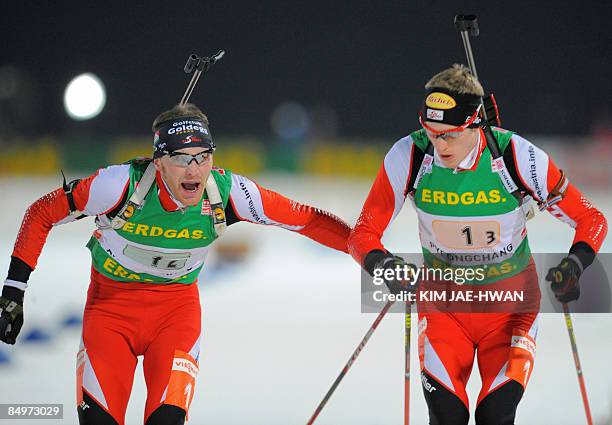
x=166 y=197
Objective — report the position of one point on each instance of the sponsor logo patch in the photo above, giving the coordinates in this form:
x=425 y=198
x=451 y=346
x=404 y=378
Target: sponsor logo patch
x=185 y=365
x=168 y=233
x=497 y=164
x=533 y=172
x=426 y=385
x=219 y=214
x=493 y=196
x=129 y=212
x=440 y=101
x=187 y=127
x=206 y=209
x=525 y=343
x=433 y=114
x=190 y=139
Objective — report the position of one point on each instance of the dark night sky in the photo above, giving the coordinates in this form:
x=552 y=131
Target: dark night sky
x=547 y=62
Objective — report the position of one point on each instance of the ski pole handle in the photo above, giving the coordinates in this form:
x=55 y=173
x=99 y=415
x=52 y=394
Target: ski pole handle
x=200 y=65
x=467 y=23
x=192 y=62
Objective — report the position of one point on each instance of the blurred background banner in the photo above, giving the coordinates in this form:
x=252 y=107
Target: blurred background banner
x=307 y=101
x=295 y=74
x=585 y=160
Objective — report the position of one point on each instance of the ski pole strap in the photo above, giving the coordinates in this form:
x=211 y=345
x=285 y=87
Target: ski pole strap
x=216 y=205
x=497 y=163
x=136 y=200
x=68 y=189
x=499 y=166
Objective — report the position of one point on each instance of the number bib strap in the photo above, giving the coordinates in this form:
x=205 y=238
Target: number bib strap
x=216 y=205
x=137 y=199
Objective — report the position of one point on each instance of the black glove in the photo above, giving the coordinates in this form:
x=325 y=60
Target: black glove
x=565 y=280
x=11 y=313
x=405 y=281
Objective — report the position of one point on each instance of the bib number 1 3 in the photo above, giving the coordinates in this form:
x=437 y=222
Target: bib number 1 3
x=469 y=240
x=467 y=235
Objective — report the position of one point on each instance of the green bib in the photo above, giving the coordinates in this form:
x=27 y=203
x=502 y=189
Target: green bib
x=468 y=219
x=155 y=245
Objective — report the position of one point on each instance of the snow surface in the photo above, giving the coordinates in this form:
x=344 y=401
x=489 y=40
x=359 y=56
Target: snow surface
x=278 y=327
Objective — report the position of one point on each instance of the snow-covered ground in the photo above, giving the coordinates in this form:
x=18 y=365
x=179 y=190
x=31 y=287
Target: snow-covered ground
x=278 y=327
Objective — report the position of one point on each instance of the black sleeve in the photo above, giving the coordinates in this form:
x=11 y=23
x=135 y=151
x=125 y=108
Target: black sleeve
x=19 y=270
x=584 y=252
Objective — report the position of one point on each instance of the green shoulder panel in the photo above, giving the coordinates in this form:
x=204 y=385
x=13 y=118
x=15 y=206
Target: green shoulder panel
x=137 y=169
x=420 y=139
x=503 y=137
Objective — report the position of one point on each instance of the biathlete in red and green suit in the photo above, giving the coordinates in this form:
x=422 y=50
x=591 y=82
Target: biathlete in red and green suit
x=156 y=221
x=465 y=211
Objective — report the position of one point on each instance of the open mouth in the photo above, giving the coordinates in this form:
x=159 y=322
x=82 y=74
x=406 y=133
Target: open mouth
x=190 y=186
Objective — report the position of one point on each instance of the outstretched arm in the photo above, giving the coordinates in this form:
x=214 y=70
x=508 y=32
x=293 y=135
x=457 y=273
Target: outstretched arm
x=384 y=202
x=253 y=203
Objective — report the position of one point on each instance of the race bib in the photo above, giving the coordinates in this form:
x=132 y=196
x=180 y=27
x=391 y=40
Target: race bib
x=467 y=234
x=159 y=260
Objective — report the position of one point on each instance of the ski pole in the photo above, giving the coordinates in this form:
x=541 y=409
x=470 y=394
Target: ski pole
x=350 y=362
x=407 y=327
x=200 y=65
x=572 y=337
x=468 y=25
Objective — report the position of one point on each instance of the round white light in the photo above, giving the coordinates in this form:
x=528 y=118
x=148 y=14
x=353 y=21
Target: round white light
x=84 y=97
